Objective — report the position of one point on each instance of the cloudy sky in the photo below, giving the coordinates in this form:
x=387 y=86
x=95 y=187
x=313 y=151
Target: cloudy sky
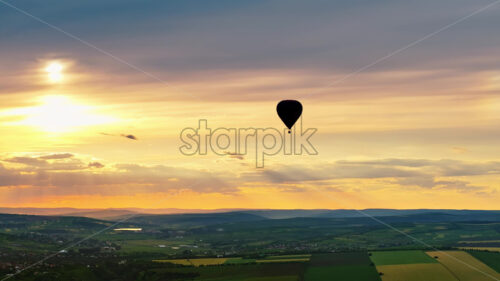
x=418 y=127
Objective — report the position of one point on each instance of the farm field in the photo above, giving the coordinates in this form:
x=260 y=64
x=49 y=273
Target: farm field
x=219 y=261
x=342 y=266
x=343 y=272
x=489 y=258
x=464 y=266
x=195 y=262
x=400 y=257
x=415 y=272
x=355 y=258
x=491 y=249
x=264 y=250
x=249 y=272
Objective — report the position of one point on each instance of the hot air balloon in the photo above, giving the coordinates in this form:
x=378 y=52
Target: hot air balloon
x=289 y=112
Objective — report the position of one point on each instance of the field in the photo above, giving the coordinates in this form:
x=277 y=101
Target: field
x=196 y=262
x=250 y=272
x=400 y=257
x=415 y=272
x=342 y=266
x=489 y=258
x=464 y=266
x=185 y=248
x=218 y=261
x=344 y=273
x=337 y=259
x=491 y=249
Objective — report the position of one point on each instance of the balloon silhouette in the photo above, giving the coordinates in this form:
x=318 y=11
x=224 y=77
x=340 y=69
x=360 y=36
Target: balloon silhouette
x=289 y=111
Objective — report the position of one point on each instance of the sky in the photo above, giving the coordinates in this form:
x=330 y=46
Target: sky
x=399 y=125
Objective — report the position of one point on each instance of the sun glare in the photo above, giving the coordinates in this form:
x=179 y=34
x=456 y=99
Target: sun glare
x=54 y=71
x=60 y=114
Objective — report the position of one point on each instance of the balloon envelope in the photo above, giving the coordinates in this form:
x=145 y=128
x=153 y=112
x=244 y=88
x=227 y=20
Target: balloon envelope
x=289 y=112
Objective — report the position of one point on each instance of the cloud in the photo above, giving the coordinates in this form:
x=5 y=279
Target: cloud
x=61 y=176
x=56 y=156
x=63 y=161
x=420 y=173
x=313 y=42
x=235 y=155
x=96 y=165
x=74 y=175
x=27 y=161
x=336 y=170
x=132 y=137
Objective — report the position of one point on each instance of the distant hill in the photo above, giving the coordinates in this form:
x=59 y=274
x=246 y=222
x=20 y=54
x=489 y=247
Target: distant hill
x=196 y=219
x=341 y=213
x=199 y=214
x=52 y=224
x=110 y=213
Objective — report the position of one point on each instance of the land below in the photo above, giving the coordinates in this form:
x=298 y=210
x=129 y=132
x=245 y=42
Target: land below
x=251 y=245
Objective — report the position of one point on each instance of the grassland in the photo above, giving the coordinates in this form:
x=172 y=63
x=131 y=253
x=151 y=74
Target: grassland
x=250 y=272
x=489 y=258
x=341 y=266
x=196 y=262
x=240 y=261
x=464 y=266
x=400 y=257
x=415 y=272
x=491 y=249
x=338 y=259
x=219 y=261
x=344 y=273
x=282 y=260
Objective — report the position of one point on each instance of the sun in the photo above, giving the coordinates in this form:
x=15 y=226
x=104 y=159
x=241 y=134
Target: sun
x=54 y=71
x=58 y=114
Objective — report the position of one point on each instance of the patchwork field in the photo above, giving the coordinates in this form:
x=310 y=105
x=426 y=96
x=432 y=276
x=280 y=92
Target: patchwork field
x=414 y=265
x=489 y=258
x=465 y=267
x=400 y=257
x=415 y=272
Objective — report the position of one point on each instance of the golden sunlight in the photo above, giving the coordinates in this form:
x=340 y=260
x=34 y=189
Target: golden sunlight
x=60 y=114
x=54 y=71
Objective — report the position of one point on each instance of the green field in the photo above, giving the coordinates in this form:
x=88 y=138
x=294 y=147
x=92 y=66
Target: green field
x=344 y=273
x=229 y=261
x=489 y=249
x=250 y=272
x=337 y=259
x=400 y=257
x=196 y=262
x=239 y=261
x=491 y=259
x=415 y=272
x=289 y=257
x=341 y=266
x=465 y=267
